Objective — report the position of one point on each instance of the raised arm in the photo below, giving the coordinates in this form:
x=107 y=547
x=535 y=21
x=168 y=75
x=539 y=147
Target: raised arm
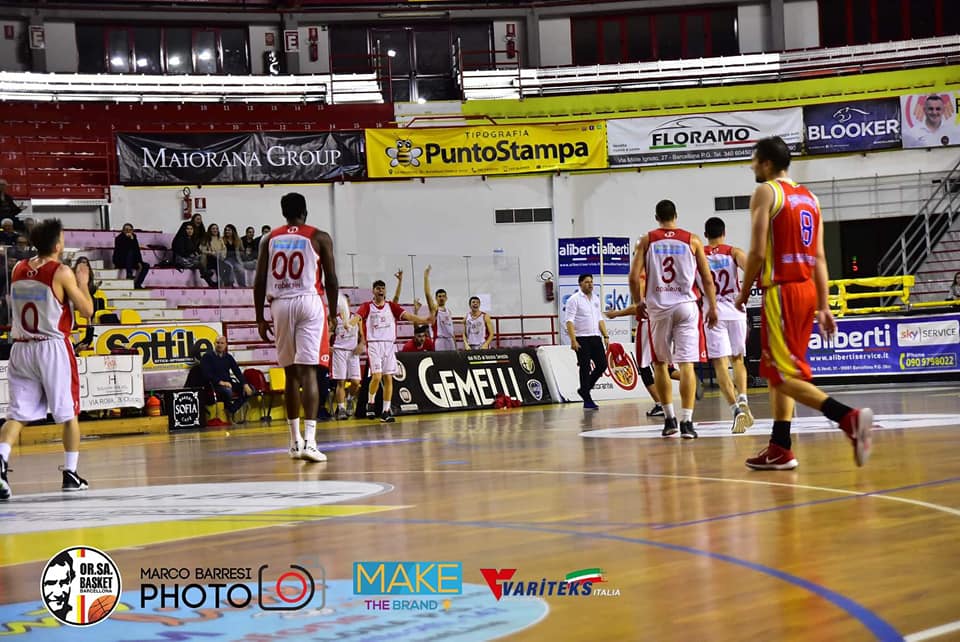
x=396 y=293
x=431 y=304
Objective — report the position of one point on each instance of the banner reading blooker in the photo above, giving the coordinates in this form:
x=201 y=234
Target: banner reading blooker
x=480 y=151
x=699 y=138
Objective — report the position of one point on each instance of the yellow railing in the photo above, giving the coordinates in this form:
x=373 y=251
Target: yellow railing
x=838 y=301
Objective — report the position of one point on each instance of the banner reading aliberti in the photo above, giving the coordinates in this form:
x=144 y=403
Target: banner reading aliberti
x=478 y=151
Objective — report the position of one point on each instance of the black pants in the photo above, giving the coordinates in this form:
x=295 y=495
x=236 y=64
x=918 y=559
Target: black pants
x=130 y=265
x=226 y=395
x=591 y=351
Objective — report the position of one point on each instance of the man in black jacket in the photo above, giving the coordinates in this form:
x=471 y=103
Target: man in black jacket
x=221 y=371
x=126 y=256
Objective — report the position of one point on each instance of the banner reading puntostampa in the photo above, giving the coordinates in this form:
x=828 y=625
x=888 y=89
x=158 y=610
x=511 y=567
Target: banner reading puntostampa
x=479 y=151
x=699 y=138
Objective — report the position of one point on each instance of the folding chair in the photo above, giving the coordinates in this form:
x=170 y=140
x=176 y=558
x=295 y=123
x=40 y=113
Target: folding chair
x=258 y=382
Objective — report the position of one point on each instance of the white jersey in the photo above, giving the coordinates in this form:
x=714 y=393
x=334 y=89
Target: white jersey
x=37 y=312
x=294 y=265
x=443 y=326
x=346 y=335
x=476 y=329
x=671 y=269
x=380 y=323
x=726 y=279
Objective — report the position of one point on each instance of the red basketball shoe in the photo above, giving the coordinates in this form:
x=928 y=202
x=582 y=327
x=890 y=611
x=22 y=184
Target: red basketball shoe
x=857 y=424
x=773 y=457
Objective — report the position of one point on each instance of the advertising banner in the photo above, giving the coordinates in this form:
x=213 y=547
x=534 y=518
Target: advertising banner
x=252 y=157
x=114 y=381
x=443 y=381
x=930 y=120
x=621 y=379
x=857 y=126
x=162 y=345
x=607 y=258
x=699 y=138
x=483 y=151
x=887 y=346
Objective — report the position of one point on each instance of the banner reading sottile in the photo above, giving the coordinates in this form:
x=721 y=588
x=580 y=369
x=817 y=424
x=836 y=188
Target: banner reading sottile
x=483 y=151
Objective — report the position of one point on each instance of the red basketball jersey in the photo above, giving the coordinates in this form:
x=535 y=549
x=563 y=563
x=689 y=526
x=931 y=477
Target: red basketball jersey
x=792 y=237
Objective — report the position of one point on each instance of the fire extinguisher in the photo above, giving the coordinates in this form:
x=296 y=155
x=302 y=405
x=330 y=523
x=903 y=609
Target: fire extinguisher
x=548 y=292
x=186 y=205
x=314 y=48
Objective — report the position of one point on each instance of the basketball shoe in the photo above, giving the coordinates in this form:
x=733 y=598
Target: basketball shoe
x=858 y=424
x=669 y=427
x=72 y=481
x=296 y=451
x=742 y=418
x=773 y=457
x=310 y=453
x=687 y=431
x=4 y=484
x=656 y=411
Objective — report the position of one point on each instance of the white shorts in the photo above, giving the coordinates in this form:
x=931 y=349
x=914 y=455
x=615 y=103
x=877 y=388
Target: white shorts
x=382 y=357
x=676 y=334
x=43 y=375
x=728 y=339
x=644 y=351
x=444 y=343
x=300 y=331
x=345 y=366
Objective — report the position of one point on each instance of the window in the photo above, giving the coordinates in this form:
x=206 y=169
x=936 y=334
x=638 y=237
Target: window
x=844 y=22
x=695 y=36
x=349 y=49
x=639 y=44
x=179 y=44
x=90 y=49
x=923 y=18
x=205 y=58
x=146 y=48
x=524 y=215
x=234 y=45
x=669 y=37
x=889 y=20
x=731 y=203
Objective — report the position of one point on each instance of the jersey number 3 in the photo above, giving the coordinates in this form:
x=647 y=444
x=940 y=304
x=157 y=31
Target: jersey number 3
x=669 y=273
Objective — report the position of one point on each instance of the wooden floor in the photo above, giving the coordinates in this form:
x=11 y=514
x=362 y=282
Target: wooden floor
x=692 y=545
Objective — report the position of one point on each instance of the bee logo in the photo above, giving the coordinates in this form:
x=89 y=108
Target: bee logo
x=404 y=154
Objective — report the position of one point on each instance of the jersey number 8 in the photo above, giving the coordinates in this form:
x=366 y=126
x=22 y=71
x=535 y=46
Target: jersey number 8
x=806 y=228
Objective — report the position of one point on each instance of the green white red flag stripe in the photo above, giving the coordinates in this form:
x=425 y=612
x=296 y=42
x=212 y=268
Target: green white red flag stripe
x=586 y=575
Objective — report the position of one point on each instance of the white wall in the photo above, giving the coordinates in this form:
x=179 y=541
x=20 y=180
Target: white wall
x=62 y=55
x=10 y=59
x=258 y=46
x=556 y=47
x=802 y=18
x=753 y=25
x=441 y=220
x=500 y=40
x=322 y=65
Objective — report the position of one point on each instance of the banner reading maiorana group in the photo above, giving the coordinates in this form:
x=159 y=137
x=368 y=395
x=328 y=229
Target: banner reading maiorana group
x=698 y=138
x=479 y=151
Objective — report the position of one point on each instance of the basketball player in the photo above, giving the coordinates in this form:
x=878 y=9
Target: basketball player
x=345 y=363
x=786 y=252
x=289 y=275
x=443 y=327
x=477 y=327
x=728 y=340
x=380 y=332
x=670 y=258
x=43 y=369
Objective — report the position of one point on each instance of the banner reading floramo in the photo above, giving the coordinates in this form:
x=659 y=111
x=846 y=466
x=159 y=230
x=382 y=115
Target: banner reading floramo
x=478 y=151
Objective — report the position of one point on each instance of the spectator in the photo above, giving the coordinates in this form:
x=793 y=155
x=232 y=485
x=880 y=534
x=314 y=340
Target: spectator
x=21 y=250
x=955 y=288
x=420 y=341
x=264 y=233
x=250 y=250
x=220 y=370
x=7 y=234
x=28 y=225
x=232 y=242
x=186 y=254
x=86 y=343
x=8 y=208
x=212 y=254
x=126 y=256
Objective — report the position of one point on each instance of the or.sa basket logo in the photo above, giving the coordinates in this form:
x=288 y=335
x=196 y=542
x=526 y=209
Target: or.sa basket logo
x=80 y=586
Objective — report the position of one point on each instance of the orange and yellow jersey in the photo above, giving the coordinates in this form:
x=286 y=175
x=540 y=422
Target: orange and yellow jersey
x=792 y=234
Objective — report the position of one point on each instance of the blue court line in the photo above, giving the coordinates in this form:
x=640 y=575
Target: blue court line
x=453 y=462
x=937 y=482
x=880 y=628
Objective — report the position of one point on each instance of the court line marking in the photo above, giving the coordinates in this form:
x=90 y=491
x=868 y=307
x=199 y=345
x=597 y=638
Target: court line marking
x=875 y=493
x=880 y=628
x=935 y=632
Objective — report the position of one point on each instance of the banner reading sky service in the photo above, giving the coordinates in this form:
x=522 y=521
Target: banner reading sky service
x=699 y=138
x=254 y=157
x=931 y=119
x=857 y=126
x=485 y=151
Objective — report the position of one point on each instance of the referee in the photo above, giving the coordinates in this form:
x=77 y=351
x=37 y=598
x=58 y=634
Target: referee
x=585 y=327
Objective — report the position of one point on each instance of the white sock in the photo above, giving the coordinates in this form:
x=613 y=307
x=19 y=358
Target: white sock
x=341 y=405
x=294 y=426
x=310 y=430
x=371 y=400
x=742 y=399
x=386 y=406
x=5 y=451
x=668 y=410
x=70 y=461
x=686 y=414
x=734 y=408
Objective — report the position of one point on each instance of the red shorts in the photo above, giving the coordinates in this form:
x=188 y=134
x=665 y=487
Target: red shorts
x=786 y=321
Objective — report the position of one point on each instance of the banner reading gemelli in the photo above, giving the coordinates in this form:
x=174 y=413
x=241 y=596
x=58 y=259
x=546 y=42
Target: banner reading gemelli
x=256 y=157
x=485 y=151
x=698 y=138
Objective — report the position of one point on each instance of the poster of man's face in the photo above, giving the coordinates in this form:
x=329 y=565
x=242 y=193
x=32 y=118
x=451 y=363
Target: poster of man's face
x=930 y=120
x=56 y=586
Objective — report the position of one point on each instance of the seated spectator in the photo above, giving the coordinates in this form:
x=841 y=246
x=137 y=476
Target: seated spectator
x=213 y=251
x=264 y=233
x=235 y=275
x=8 y=208
x=186 y=251
x=126 y=256
x=7 y=234
x=955 y=288
x=420 y=342
x=86 y=342
x=28 y=224
x=250 y=250
x=220 y=370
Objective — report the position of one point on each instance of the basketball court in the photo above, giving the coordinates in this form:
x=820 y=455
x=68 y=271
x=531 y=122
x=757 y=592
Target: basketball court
x=690 y=545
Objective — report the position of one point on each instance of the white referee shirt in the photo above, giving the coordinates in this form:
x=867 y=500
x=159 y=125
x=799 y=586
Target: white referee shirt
x=584 y=311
